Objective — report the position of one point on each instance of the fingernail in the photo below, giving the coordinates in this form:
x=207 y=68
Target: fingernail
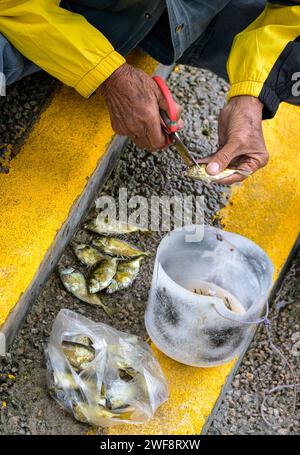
x=213 y=168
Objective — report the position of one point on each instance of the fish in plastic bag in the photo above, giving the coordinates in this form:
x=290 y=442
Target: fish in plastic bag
x=100 y=375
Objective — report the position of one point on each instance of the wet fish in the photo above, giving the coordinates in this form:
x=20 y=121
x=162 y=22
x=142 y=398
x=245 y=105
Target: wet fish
x=81 y=339
x=93 y=414
x=199 y=173
x=127 y=272
x=75 y=283
x=114 y=228
x=102 y=275
x=121 y=394
x=88 y=414
x=88 y=255
x=78 y=355
x=119 y=248
x=64 y=380
x=126 y=372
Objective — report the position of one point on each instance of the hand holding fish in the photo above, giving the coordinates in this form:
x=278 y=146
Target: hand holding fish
x=134 y=100
x=241 y=141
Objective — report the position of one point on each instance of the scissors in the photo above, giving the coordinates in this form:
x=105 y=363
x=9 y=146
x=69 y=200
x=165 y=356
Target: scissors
x=169 y=123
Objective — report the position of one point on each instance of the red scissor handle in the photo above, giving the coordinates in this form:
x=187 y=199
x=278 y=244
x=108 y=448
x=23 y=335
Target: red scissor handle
x=172 y=113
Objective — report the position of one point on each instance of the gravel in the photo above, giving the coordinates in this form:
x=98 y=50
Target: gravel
x=19 y=109
x=25 y=407
x=261 y=370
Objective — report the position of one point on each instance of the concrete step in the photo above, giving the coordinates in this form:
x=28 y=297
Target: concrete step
x=52 y=181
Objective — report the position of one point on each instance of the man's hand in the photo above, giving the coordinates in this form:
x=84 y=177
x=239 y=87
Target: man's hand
x=241 y=141
x=134 y=100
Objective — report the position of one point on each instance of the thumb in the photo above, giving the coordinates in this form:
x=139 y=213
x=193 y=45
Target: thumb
x=221 y=159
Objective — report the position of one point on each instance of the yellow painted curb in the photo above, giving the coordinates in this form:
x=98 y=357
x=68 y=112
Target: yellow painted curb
x=193 y=393
x=51 y=172
x=266 y=209
x=45 y=179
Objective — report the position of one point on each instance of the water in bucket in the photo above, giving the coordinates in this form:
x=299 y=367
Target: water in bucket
x=202 y=294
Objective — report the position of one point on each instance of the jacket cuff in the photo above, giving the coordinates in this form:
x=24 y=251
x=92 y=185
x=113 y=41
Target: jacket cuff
x=252 y=88
x=265 y=94
x=94 y=77
x=270 y=100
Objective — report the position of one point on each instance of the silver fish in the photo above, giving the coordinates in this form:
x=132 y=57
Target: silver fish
x=78 y=355
x=88 y=255
x=64 y=380
x=91 y=414
x=74 y=281
x=119 y=248
x=127 y=272
x=81 y=339
x=102 y=275
x=199 y=173
x=118 y=227
x=121 y=394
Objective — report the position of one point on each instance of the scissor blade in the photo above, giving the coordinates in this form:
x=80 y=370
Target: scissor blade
x=184 y=151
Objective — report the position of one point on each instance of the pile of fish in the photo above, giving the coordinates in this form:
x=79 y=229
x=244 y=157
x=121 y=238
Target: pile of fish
x=100 y=375
x=112 y=402
x=112 y=263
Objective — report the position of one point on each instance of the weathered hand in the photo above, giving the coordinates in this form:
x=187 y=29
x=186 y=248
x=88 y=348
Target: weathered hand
x=134 y=100
x=241 y=141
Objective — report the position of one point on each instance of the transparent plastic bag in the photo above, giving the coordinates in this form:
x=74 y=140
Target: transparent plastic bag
x=102 y=376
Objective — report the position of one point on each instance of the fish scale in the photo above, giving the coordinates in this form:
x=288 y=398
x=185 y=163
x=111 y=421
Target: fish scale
x=117 y=247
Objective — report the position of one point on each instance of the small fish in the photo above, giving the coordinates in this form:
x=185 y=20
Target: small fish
x=78 y=355
x=81 y=339
x=207 y=292
x=117 y=247
x=94 y=414
x=90 y=414
x=114 y=228
x=121 y=394
x=199 y=173
x=75 y=283
x=64 y=380
x=127 y=272
x=88 y=255
x=102 y=275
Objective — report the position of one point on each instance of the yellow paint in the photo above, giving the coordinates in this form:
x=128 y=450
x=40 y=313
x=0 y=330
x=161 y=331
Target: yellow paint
x=4 y=404
x=266 y=208
x=11 y=376
x=51 y=171
x=45 y=179
x=193 y=392
x=6 y=157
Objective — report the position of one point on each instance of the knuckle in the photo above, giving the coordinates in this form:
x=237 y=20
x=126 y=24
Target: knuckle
x=150 y=113
x=179 y=109
x=225 y=156
x=116 y=127
x=265 y=159
x=241 y=141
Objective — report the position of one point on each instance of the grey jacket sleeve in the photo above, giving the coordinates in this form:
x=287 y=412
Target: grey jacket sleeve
x=12 y=64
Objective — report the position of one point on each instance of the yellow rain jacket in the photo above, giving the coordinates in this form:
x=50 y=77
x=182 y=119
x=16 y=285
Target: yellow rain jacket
x=263 y=60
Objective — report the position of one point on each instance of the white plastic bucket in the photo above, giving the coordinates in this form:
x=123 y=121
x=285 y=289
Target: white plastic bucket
x=200 y=330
